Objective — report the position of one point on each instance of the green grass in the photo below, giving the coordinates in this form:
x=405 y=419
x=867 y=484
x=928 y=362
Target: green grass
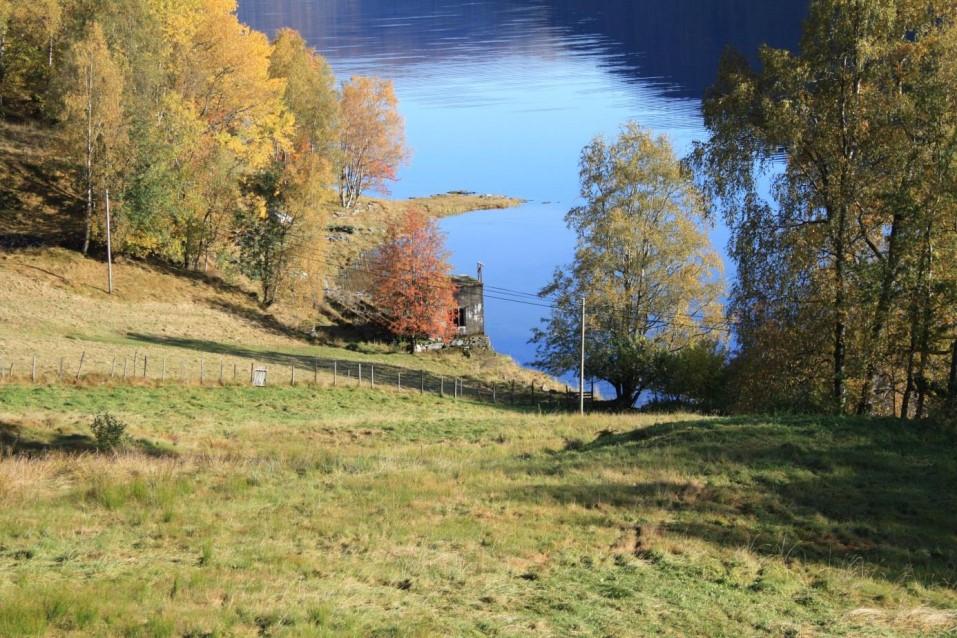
x=296 y=512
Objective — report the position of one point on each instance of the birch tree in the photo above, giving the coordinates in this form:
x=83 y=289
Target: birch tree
x=855 y=134
x=93 y=118
x=643 y=264
x=371 y=138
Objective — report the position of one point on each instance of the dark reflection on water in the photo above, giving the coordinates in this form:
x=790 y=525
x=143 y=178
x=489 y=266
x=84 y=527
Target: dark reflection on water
x=673 y=43
x=501 y=95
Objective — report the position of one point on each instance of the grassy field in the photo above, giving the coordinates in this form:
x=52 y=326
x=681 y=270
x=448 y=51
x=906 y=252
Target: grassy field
x=355 y=512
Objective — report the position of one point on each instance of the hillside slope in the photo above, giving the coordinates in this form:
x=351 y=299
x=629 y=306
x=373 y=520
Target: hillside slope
x=37 y=204
x=54 y=305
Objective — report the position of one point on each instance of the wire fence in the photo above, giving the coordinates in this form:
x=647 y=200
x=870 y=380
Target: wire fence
x=278 y=369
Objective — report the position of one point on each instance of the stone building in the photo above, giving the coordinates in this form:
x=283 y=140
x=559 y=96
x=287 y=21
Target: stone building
x=469 y=317
x=470 y=297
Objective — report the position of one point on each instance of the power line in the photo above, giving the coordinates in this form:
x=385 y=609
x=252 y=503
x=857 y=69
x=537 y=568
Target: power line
x=519 y=301
x=511 y=295
x=507 y=291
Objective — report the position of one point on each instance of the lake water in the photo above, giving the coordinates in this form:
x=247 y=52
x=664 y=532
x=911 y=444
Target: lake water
x=500 y=96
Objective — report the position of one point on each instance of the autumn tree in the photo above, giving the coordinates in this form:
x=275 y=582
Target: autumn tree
x=412 y=284
x=6 y=16
x=371 y=138
x=643 y=264
x=850 y=131
x=309 y=94
x=266 y=232
x=280 y=229
x=48 y=16
x=29 y=35
x=93 y=118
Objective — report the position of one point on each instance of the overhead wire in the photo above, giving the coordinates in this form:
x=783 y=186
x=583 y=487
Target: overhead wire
x=531 y=299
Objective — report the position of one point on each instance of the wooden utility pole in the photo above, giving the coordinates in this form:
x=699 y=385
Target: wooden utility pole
x=581 y=372
x=952 y=379
x=109 y=247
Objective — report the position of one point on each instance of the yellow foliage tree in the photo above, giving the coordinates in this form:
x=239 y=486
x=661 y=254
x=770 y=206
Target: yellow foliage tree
x=224 y=77
x=644 y=266
x=371 y=138
x=93 y=118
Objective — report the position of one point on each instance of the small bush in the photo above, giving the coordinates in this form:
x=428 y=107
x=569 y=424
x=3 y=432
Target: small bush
x=109 y=432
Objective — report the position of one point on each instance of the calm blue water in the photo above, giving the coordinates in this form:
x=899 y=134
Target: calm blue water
x=500 y=96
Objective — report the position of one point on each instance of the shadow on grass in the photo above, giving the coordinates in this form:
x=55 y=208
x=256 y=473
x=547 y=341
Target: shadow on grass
x=224 y=349
x=257 y=318
x=14 y=440
x=871 y=492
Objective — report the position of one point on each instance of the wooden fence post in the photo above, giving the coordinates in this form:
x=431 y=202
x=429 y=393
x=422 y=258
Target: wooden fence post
x=221 y=364
x=202 y=370
x=113 y=367
x=315 y=371
x=421 y=383
x=33 y=373
x=292 y=374
x=372 y=375
x=360 y=375
x=163 y=374
x=125 y=362
x=145 y=359
x=59 y=375
x=252 y=367
x=79 y=368
x=335 y=373
x=442 y=386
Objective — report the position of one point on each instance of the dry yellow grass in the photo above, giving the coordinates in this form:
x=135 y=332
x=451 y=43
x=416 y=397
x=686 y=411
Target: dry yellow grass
x=54 y=305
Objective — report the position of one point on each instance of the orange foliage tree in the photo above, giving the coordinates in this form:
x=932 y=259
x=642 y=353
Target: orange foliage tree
x=412 y=282
x=371 y=139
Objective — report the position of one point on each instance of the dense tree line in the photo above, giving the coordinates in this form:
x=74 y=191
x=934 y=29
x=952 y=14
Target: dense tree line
x=846 y=291
x=835 y=168
x=219 y=148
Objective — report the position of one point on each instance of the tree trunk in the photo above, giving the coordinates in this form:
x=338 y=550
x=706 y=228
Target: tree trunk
x=343 y=189
x=911 y=353
x=881 y=314
x=952 y=379
x=840 y=321
x=88 y=223
x=3 y=49
x=926 y=318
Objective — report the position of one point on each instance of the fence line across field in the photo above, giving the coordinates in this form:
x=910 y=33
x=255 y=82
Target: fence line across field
x=277 y=370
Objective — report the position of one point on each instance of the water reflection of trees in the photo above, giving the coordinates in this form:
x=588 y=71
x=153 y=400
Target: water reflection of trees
x=676 y=42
